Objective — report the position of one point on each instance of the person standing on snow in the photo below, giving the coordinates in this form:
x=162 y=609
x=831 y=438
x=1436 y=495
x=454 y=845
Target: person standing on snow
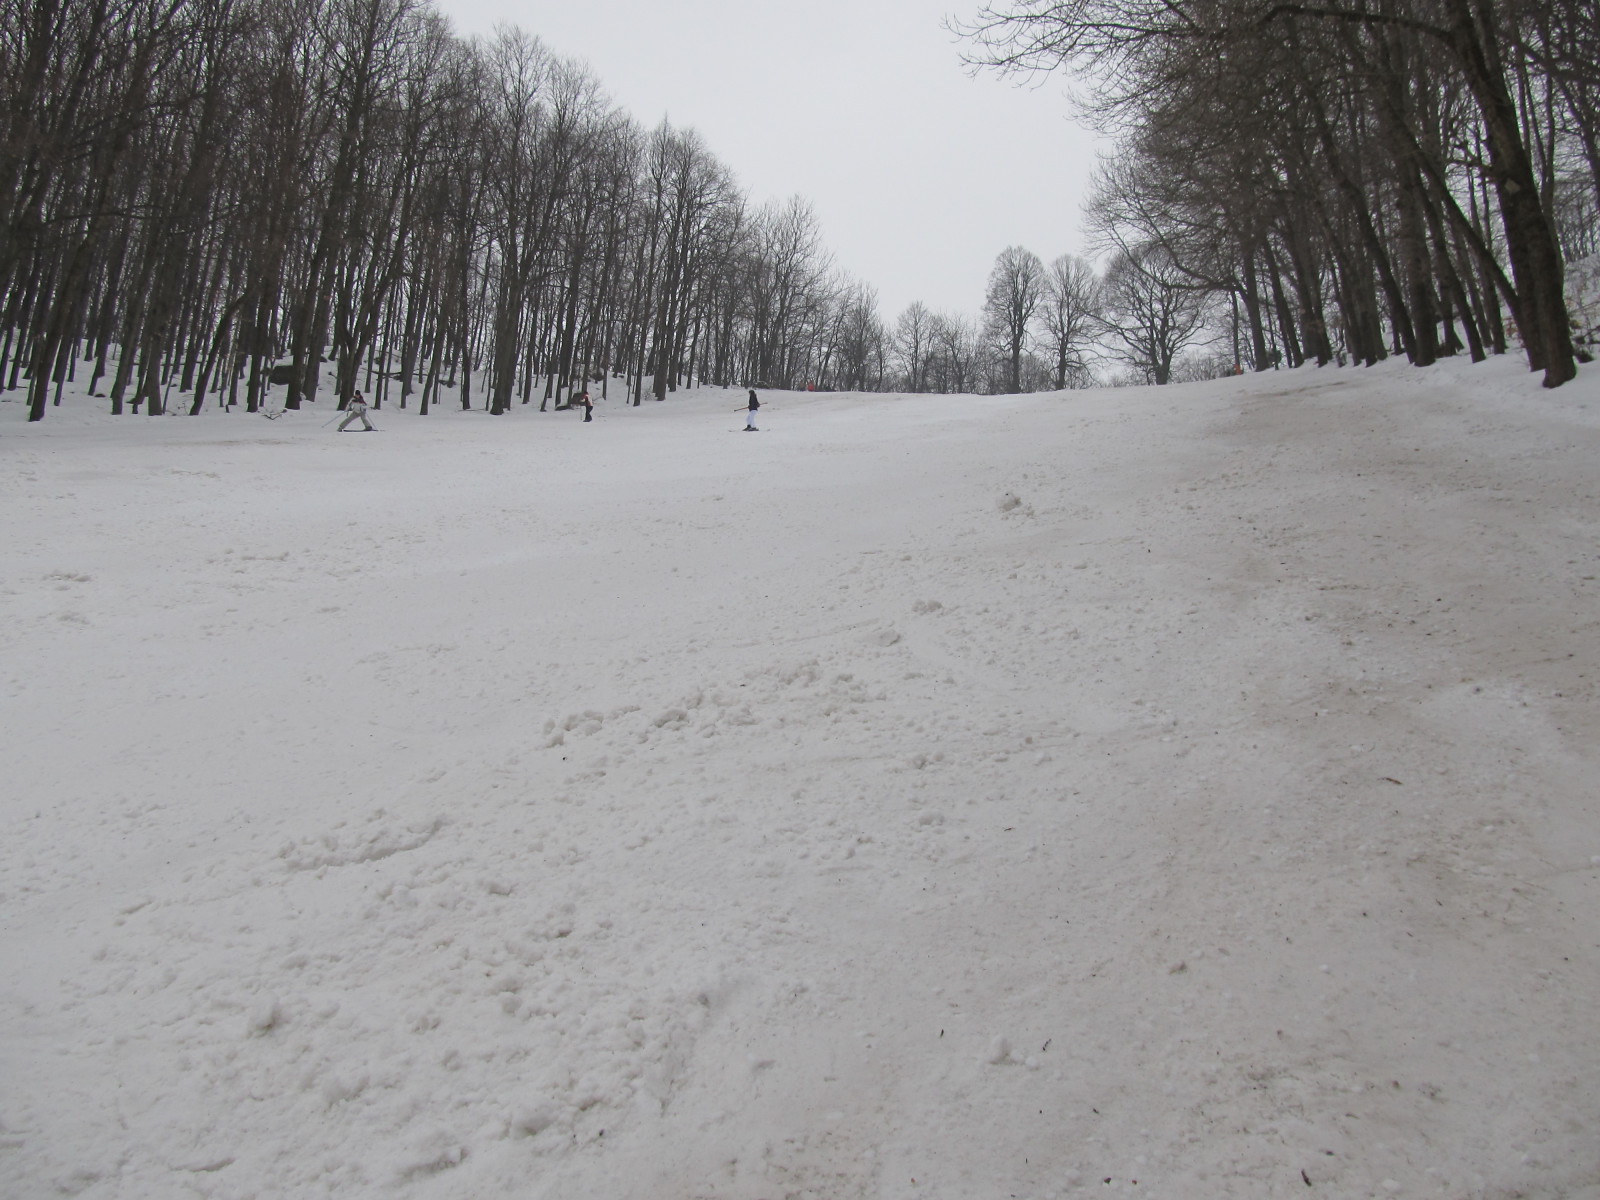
x=358 y=409
x=750 y=413
x=587 y=405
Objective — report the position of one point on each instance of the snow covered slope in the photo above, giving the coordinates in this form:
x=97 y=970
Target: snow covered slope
x=1183 y=792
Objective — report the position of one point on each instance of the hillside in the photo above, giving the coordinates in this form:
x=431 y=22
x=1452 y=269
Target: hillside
x=1181 y=792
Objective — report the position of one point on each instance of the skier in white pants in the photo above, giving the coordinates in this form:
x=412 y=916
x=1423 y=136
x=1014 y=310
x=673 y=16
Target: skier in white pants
x=358 y=409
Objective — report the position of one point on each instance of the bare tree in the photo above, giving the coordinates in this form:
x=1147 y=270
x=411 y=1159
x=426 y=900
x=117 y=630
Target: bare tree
x=789 y=280
x=1150 y=311
x=859 y=338
x=1066 y=319
x=952 y=366
x=1016 y=286
x=913 y=344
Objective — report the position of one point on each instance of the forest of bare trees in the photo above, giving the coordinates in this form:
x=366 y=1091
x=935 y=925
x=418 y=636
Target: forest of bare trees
x=207 y=199
x=1332 y=178
x=1340 y=180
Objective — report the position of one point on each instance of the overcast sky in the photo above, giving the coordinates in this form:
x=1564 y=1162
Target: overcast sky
x=919 y=174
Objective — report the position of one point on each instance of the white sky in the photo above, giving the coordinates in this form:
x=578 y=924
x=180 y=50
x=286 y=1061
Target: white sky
x=919 y=174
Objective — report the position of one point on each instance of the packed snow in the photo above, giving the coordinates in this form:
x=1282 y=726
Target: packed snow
x=1179 y=792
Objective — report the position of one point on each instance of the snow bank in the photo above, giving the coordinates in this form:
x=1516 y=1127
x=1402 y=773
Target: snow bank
x=1176 y=792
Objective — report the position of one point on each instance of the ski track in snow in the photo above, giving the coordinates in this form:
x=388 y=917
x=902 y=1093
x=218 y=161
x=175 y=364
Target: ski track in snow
x=1179 y=792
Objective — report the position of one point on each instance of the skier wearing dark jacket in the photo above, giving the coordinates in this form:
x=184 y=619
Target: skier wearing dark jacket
x=750 y=413
x=358 y=412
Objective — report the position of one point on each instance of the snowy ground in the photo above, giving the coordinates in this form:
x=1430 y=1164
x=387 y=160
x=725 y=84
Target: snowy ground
x=1179 y=793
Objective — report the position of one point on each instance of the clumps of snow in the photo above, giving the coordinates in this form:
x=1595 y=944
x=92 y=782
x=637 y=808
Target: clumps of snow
x=535 y=1120
x=803 y=673
x=585 y=724
x=380 y=837
x=265 y=1016
x=337 y=1089
x=429 y=1153
x=1009 y=502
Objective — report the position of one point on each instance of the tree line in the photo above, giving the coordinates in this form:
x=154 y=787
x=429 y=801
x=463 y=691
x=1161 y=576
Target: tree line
x=1058 y=325
x=1333 y=177
x=204 y=199
x=1031 y=334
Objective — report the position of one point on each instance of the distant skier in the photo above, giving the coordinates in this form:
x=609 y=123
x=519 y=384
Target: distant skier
x=587 y=405
x=750 y=413
x=358 y=409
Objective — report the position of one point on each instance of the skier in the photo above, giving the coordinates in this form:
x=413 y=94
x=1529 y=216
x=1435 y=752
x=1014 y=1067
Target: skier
x=358 y=409
x=750 y=413
x=587 y=405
